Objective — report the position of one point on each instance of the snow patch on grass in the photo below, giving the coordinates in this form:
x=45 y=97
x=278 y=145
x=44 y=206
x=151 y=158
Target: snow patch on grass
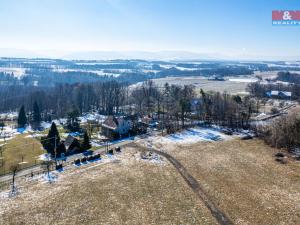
x=92 y=117
x=194 y=135
x=35 y=135
x=45 y=125
x=49 y=178
x=44 y=157
x=186 y=137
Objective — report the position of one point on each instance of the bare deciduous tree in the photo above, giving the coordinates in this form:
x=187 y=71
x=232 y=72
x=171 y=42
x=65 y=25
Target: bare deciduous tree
x=14 y=168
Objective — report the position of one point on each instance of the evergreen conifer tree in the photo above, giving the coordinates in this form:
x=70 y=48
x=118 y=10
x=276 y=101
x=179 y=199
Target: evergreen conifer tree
x=22 y=119
x=86 y=144
x=36 y=117
x=52 y=140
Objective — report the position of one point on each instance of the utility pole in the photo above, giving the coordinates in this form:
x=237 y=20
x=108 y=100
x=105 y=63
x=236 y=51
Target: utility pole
x=55 y=152
x=163 y=120
x=1 y=157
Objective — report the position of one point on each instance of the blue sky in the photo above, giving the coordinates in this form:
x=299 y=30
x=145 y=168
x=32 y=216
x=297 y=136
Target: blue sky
x=231 y=27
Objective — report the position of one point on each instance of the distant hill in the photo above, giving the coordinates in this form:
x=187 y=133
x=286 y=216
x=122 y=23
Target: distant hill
x=162 y=55
x=143 y=55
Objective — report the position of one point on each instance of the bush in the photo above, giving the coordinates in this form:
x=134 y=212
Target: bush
x=281 y=160
x=98 y=156
x=274 y=110
x=77 y=161
x=283 y=132
x=91 y=158
x=279 y=154
x=111 y=151
x=59 y=167
x=281 y=104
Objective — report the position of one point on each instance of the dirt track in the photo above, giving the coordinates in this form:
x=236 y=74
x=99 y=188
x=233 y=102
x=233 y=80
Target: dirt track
x=193 y=183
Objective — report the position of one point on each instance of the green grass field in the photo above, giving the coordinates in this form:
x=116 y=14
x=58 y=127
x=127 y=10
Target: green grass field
x=21 y=148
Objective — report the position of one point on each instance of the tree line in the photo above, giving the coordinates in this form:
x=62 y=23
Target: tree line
x=288 y=77
x=58 y=101
x=175 y=105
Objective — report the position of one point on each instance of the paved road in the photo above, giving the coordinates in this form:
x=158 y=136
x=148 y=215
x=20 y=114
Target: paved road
x=39 y=169
x=193 y=183
x=281 y=112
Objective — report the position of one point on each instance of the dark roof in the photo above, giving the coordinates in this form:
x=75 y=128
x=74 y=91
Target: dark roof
x=69 y=140
x=111 y=122
x=74 y=146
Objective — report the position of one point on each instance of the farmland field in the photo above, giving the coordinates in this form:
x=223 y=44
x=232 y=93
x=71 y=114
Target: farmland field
x=233 y=87
x=240 y=177
x=127 y=191
x=243 y=178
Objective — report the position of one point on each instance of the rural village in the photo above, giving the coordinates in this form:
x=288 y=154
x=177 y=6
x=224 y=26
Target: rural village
x=158 y=127
x=149 y=112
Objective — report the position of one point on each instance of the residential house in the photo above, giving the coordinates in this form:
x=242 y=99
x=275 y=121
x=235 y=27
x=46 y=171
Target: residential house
x=216 y=78
x=116 y=127
x=279 y=94
x=72 y=145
